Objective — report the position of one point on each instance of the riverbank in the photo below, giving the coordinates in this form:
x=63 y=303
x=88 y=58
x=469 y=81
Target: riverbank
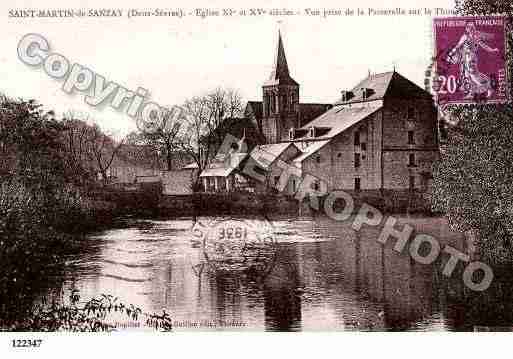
x=151 y=202
x=244 y=203
x=39 y=229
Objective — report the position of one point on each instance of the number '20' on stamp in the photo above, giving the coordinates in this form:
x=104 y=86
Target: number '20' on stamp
x=470 y=60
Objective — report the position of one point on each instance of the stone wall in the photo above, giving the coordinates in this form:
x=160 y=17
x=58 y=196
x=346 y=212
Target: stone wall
x=384 y=150
x=335 y=162
x=397 y=149
x=234 y=204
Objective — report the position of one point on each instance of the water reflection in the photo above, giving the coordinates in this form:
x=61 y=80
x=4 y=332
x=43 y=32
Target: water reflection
x=324 y=276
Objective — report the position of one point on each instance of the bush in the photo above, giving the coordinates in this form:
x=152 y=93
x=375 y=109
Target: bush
x=92 y=316
x=33 y=230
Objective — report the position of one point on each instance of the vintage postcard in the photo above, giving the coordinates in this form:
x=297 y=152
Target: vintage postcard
x=255 y=167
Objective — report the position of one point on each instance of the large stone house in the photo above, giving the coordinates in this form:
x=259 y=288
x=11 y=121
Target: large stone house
x=380 y=135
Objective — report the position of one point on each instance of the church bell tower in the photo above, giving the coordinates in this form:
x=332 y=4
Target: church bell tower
x=280 y=100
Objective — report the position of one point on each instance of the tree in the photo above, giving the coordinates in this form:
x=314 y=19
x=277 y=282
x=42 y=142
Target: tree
x=88 y=151
x=29 y=143
x=75 y=140
x=162 y=134
x=101 y=149
x=198 y=137
x=224 y=104
x=473 y=181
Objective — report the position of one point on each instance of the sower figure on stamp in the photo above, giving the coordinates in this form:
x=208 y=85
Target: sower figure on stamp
x=465 y=53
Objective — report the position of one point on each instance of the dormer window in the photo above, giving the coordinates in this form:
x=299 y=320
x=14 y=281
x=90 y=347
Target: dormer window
x=311 y=132
x=366 y=93
x=347 y=95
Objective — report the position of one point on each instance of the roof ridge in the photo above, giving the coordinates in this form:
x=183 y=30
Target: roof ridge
x=389 y=83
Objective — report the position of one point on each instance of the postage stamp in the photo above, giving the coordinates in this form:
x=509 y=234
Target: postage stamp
x=470 y=60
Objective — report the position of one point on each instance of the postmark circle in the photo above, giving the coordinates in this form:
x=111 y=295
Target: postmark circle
x=237 y=245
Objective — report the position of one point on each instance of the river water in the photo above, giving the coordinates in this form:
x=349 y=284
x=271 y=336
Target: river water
x=318 y=275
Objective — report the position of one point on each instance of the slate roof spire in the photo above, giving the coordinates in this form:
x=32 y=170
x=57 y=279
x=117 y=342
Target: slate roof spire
x=281 y=68
x=280 y=73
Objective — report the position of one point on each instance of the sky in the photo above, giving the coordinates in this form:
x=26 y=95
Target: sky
x=175 y=59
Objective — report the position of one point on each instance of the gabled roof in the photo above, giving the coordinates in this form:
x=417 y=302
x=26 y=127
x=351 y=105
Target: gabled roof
x=224 y=168
x=280 y=74
x=191 y=166
x=217 y=172
x=384 y=84
x=348 y=113
x=265 y=155
x=309 y=150
x=257 y=108
x=238 y=127
x=378 y=83
x=310 y=111
x=226 y=160
x=340 y=118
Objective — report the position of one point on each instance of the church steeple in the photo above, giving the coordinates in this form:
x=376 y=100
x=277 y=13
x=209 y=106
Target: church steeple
x=280 y=99
x=280 y=74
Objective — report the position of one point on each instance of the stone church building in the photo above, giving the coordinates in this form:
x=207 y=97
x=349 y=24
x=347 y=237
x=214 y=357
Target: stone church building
x=380 y=135
x=280 y=109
